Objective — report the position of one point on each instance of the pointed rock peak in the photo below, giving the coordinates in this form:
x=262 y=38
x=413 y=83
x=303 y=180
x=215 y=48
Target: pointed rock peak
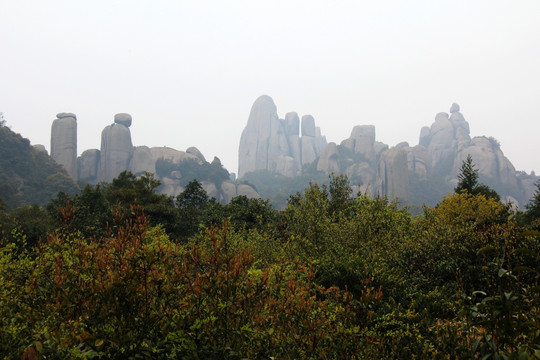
x=264 y=98
x=123 y=118
x=454 y=108
x=216 y=161
x=262 y=111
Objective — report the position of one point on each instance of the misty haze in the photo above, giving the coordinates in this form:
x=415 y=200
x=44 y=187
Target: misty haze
x=269 y=180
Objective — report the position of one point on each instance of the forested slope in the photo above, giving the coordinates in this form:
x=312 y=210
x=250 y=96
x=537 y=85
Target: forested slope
x=28 y=176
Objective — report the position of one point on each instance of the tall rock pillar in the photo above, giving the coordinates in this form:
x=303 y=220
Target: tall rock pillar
x=64 y=142
x=116 y=148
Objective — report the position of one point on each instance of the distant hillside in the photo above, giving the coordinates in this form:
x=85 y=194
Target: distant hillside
x=27 y=175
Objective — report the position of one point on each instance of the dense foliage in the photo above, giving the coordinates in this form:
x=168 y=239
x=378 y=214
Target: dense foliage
x=28 y=176
x=121 y=272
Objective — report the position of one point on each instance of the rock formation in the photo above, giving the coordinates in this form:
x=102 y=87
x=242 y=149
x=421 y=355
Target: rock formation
x=142 y=161
x=418 y=161
x=89 y=165
x=116 y=148
x=488 y=158
x=118 y=154
x=329 y=159
x=64 y=142
x=362 y=142
x=270 y=143
x=393 y=174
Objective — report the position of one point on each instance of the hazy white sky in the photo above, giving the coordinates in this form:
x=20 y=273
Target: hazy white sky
x=189 y=71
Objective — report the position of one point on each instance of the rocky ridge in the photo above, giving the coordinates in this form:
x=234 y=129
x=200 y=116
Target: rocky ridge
x=118 y=154
x=402 y=171
x=273 y=144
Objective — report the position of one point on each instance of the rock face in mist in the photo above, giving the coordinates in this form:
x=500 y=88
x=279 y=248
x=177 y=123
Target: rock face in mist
x=329 y=159
x=270 y=143
x=489 y=160
x=446 y=136
x=393 y=174
x=173 y=155
x=64 y=142
x=118 y=154
x=142 y=161
x=195 y=152
x=89 y=165
x=370 y=165
x=418 y=161
x=123 y=119
x=361 y=142
x=116 y=150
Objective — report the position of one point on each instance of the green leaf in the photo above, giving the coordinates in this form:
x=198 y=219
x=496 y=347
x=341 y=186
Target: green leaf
x=522 y=269
x=530 y=233
x=485 y=249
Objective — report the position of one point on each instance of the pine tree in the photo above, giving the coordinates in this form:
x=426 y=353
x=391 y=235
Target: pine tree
x=533 y=207
x=468 y=181
x=468 y=177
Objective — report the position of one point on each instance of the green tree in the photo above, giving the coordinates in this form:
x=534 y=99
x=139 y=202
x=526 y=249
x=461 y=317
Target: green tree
x=533 y=207
x=191 y=204
x=468 y=181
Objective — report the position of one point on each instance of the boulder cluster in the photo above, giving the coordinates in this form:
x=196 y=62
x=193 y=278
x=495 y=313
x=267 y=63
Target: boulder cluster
x=273 y=144
x=270 y=143
x=118 y=154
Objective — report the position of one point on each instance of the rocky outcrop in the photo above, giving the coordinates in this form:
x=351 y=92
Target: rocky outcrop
x=393 y=174
x=89 y=165
x=256 y=138
x=418 y=161
x=447 y=136
x=311 y=143
x=211 y=189
x=329 y=159
x=246 y=190
x=173 y=155
x=361 y=175
x=292 y=129
x=195 y=152
x=142 y=161
x=269 y=143
x=230 y=190
x=170 y=186
x=489 y=160
x=362 y=142
x=64 y=142
x=116 y=151
x=123 y=118
x=441 y=140
x=118 y=154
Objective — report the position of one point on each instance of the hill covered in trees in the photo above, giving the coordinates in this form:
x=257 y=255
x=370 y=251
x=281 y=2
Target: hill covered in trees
x=27 y=175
